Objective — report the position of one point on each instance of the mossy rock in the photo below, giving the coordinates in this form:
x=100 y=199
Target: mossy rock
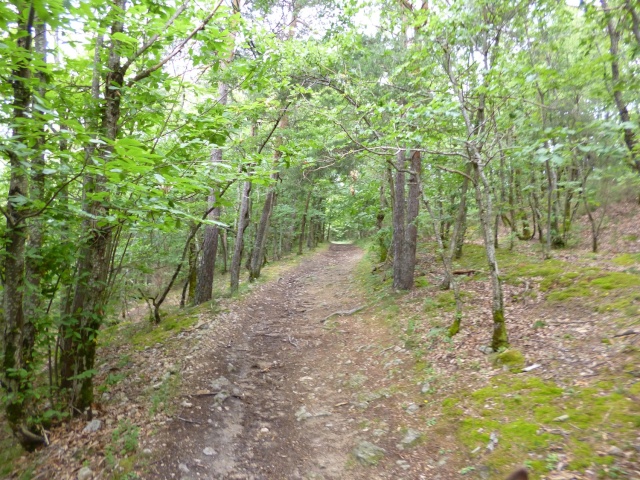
x=513 y=359
x=368 y=454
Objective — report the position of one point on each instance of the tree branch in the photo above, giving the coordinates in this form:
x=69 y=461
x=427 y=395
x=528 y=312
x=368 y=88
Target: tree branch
x=176 y=50
x=275 y=125
x=155 y=37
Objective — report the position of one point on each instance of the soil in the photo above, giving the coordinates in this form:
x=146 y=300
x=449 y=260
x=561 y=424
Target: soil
x=290 y=411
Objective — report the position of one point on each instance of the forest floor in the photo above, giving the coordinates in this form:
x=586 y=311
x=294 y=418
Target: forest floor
x=321 y=371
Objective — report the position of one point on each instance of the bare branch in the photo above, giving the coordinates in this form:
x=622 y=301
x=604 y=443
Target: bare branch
x=275 y=125
x=176 y=50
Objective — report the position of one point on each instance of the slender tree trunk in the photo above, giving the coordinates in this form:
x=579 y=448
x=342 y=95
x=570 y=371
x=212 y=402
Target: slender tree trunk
x=635 y=20
x=209 y=250
x=445 y=256
x=460 y=228
x=399 y=223
x=413 y=209
x=614 y=38
x=225 y=250
x=483 y=198
x=243 y=223
x=304 y=222
x=189 y=290
x=261 y=232
x=382 y=244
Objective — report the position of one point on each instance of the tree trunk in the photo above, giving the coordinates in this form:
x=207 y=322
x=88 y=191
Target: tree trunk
x=399 y=223
x=225 y=255
x=614 y=38
x=243 y=223
x=382 y=244
x=19 y=330
x=206 y=268
x=499 y=338
x=413 y=209
x=304 y=222
x=89 y=298
x=460 y=228
x=261 y=232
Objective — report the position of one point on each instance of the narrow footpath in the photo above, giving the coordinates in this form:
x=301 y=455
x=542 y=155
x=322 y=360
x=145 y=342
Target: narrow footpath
x=274 y=398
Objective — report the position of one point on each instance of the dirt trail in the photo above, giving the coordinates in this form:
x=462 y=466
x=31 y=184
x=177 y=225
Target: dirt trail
x=281 y=412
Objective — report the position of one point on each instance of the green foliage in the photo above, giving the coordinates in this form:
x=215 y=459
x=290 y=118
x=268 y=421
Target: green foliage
x=125 y=437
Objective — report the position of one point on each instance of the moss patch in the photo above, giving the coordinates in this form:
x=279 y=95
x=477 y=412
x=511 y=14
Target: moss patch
x=10 y=451
x=529 y=416
x=627 y=259
x=615 y=280
x=148 y=335
x=512 y=359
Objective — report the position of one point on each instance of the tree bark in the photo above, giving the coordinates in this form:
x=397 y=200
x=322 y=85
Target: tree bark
x=413 y=209
x=614 y=38
x=19 y=329
x=89 y=297
x=261 y=232
x=399 y=223
x=209 y=250
x=499 y=338
x=460 y=228
x=304 y=222
x=243 y=223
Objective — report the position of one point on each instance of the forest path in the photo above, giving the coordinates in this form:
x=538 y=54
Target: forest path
x=270 y=402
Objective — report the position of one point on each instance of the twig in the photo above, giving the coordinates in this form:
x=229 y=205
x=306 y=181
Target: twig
x=188 y=421
x=628 y=332
x=342 y=313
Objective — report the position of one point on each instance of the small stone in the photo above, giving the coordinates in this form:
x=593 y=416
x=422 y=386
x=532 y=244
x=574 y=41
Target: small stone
x=615 y=451
x=403 y=464
x=93 y=426
x=486 y=349
x=220 y=383
x=172 y=369
x=183 y=468
x=264 y=430
x=209 y=451
x=412 y=408
x=561 y=418
x=426 y=387
x=220 y=397
x=302 y=413
x=187 y=404
x=368 y=454
x=85 y=473
x=411 y=439
x=147 y=452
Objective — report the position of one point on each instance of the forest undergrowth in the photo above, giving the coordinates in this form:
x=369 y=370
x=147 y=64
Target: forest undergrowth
x=563 y=400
